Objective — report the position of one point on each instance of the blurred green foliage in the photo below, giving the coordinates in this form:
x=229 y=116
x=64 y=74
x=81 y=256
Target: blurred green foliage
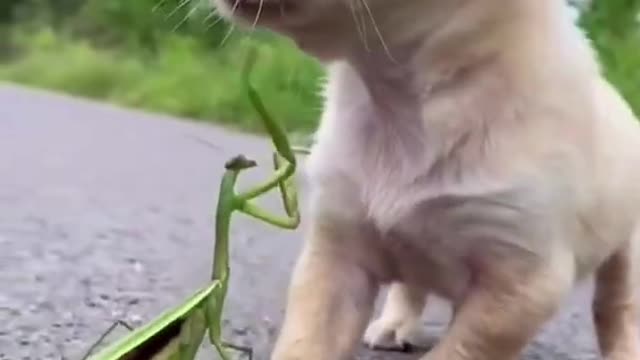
x=168 y=56
x=177 y=57
x=613 y=26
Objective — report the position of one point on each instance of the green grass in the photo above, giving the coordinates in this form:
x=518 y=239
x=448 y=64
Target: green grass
x=615 y=34
x=182 y=78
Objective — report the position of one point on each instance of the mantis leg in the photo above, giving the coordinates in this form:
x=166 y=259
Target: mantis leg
x=104 y=335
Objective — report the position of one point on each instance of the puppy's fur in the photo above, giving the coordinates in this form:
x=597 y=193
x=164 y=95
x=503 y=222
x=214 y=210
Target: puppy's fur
x=469 y=149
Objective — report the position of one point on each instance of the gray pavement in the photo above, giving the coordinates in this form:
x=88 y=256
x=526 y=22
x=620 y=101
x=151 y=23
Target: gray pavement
x=106 y=214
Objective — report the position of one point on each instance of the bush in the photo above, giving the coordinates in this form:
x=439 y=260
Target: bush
x=185 y=78
x=614 y=29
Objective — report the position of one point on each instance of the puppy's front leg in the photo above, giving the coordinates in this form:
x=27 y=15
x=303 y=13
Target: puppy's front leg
x=504 y=309
x=330 y=299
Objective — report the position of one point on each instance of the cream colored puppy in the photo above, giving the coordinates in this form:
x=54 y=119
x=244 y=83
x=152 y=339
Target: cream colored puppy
x=470 y=149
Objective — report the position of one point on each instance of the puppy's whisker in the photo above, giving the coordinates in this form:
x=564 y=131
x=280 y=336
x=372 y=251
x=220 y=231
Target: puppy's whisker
x=218 y=20
x=363 y=22
x=226 y=37
x=184 y=20
x=209 y=16
x=360 y=26
x=235 y=7
x=377 y=30
x=232 y=27
x=182 y=4
x=157 y=6
x=255 y=21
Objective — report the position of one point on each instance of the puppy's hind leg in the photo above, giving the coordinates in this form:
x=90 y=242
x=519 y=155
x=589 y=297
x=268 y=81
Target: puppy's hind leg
x=331 y=299
x=615 y=308
x=398 y=327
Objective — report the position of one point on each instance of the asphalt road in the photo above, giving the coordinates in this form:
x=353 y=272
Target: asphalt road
x=106 y=214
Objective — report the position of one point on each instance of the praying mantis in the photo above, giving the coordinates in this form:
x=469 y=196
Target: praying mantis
x=178 y=333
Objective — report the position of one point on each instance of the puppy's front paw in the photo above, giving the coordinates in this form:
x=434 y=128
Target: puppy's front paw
x=395 y=335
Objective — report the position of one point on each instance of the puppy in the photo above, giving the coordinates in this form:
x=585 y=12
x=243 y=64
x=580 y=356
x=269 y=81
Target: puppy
x=469 y=149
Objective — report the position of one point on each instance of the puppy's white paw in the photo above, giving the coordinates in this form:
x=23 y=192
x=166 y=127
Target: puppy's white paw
x=395 y=335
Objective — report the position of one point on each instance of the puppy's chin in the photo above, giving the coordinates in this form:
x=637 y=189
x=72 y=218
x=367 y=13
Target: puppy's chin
x=318 y=32
x=324 y=46
x=266 y=13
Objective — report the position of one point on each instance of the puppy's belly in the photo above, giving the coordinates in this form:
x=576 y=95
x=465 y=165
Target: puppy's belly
x=445 y=243
x=437 y=269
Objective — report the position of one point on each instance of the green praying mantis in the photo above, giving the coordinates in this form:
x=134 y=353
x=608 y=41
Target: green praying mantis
x=178 y=333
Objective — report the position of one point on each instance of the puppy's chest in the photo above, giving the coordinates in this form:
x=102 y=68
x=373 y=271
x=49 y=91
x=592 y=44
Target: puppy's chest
x=393 y=195
x=382 y=165
x=429 y=203
x=388 y=169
